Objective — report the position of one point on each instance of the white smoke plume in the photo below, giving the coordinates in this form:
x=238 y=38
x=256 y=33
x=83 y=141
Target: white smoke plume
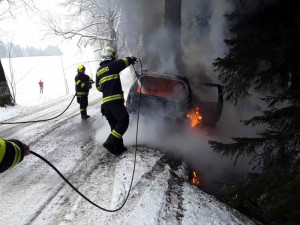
x=204 y=29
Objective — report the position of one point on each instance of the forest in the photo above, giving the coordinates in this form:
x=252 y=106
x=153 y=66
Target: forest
x=12 y=50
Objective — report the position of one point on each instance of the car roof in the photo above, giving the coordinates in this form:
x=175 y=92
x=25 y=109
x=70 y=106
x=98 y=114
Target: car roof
x=165 y=75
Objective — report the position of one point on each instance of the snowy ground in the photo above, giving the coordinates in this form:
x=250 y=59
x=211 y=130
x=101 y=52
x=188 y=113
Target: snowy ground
x=32 y=193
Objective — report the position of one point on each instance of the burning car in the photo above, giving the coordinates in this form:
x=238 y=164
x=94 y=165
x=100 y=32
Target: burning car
x=172 y=97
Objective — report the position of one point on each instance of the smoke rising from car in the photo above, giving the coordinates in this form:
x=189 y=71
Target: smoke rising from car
x=204 y=29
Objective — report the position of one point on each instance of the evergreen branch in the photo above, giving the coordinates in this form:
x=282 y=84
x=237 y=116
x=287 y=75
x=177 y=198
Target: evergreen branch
x=283 y=119
x=264 y=54
x=290 y=96
x=241 y=147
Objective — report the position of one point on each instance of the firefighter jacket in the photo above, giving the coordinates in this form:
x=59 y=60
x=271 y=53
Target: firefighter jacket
x=11 y=153
x=83 y=83
x=108 y=78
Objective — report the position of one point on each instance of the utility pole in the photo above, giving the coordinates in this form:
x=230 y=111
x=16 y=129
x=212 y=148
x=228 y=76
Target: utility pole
x=66 y=84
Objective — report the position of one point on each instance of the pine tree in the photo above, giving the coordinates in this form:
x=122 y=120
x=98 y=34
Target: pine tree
x=265 y=54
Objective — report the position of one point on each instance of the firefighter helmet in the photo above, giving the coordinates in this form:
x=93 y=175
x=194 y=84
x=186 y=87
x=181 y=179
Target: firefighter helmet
x=108 y=53
x=80 y=68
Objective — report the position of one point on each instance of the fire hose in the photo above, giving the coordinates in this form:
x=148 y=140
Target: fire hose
x=37 y=121
x=139 y=77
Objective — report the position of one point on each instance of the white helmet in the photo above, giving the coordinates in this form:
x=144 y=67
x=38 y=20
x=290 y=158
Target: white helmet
x=108 y=53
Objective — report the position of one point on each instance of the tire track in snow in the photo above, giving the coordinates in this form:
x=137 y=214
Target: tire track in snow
x=44 y=112
x=38 y=177
x=82 y=178
x=79 y=176
x=72 y=177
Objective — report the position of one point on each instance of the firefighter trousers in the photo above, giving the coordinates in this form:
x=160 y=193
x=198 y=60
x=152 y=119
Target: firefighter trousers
x=118 y=119
x=83 y=102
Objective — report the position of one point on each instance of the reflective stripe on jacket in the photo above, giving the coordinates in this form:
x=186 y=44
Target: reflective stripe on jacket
x=108 y=78
x=82 y=84
x=11 y=153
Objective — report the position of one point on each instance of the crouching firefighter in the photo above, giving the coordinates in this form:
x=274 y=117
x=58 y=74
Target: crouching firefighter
x=12 y=152
x=83 y=83
x=113 y=108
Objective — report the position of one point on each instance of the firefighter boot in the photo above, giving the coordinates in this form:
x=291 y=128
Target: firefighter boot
x=111 y=144
x=120 y=146
x=88 y=116
x=84 y=115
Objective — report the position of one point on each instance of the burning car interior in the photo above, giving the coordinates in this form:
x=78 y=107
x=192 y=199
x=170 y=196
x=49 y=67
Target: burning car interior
x=172 y=97
x=164 y=88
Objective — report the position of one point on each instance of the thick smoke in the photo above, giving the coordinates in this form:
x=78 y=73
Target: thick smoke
x=191 y=145
x=203 y=30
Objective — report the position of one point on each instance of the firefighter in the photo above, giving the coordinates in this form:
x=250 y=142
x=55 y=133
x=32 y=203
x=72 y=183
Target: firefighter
x=113 y=108
x=12 y=152
x=83 y=83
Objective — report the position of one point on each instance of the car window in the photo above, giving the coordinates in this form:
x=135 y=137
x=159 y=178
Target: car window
x=163 y=87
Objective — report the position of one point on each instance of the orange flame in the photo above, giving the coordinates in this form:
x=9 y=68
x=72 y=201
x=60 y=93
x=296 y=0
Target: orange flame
x=195 y=117
x=195 y=179
x=138 y=90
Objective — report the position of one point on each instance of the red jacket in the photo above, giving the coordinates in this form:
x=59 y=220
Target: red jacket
x=41 y=83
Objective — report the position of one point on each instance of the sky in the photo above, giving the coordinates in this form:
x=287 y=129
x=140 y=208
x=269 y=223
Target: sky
x=27 y=28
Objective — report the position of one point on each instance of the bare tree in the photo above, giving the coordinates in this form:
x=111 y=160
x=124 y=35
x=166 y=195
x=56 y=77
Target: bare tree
x=9 y=6
x=93 y=22
x=11 y=81
x=8 y=10
x=8 y=84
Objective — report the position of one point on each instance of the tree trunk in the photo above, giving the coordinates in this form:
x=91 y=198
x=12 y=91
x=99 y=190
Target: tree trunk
x=5 y=95
x=173 y=30
x=152 y=21
x=112 y=33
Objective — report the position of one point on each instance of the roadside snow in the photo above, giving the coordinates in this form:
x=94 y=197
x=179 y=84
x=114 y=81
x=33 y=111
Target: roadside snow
x=208 y=210
x=154 y=199
x=32 y=193
x=13 y=111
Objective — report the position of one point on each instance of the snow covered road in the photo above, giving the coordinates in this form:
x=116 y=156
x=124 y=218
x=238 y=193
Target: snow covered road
x=32 y=193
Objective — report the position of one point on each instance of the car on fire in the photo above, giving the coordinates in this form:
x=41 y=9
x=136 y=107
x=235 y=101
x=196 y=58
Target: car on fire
x=171 y=96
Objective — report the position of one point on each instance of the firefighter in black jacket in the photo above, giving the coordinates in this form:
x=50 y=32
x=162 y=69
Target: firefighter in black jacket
x=11 y=153
x=83 y=83
x=113 y=108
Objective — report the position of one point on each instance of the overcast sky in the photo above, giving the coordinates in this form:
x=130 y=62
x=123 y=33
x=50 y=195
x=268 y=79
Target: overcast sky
x=27 y=29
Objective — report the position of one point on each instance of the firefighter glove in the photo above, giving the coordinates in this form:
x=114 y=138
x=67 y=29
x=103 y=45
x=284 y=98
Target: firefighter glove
x=134 y=59
x=26 y=149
